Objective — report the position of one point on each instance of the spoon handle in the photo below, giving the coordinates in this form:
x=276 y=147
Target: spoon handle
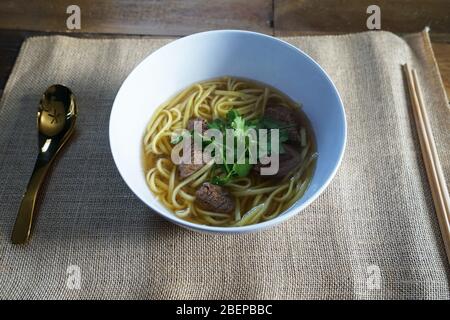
x=24 y=220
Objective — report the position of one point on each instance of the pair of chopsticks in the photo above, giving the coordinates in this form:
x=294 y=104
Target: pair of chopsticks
x=433 y=167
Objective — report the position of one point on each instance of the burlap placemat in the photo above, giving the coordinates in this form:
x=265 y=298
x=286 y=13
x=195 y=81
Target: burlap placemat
x=372 y=234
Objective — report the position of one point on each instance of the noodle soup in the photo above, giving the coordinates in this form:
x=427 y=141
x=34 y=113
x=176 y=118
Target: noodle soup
x=229 y=193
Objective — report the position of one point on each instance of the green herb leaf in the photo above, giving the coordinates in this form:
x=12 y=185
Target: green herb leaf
x=218 y=124
x=242 y=170
x=232 y=114
x=176 y=139
x=220 y=181
x=241 y=128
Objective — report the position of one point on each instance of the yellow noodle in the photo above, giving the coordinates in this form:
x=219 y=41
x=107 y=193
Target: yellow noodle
x=288 y=193
x=260 y=199
x=237 y=211
x=188 y=108
x=190 y=179
x=254 y=191
x=236 y=183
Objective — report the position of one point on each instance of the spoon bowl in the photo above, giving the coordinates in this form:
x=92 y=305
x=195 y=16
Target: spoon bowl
x=56 y=118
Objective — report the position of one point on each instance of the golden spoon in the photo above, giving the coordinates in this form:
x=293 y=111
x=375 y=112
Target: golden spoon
x=56 y=122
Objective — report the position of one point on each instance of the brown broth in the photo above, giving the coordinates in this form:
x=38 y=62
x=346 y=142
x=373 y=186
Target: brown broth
x=149 y=160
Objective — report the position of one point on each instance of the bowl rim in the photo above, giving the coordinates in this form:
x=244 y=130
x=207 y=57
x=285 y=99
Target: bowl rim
x=289 y=213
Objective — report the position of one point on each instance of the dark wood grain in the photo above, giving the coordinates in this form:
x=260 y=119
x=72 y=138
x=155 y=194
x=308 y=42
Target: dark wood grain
x=339 y=16
x=113 y=18
x=172 y=17
x=11 y=41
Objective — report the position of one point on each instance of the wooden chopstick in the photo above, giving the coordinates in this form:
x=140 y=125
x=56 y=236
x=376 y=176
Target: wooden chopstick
x=440 y=174
x=430 y=156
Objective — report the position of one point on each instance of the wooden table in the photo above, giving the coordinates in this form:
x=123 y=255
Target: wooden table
x=20 y=19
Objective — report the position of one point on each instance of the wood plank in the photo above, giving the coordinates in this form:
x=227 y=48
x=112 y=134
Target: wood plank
x=11 y=41
x=153 y=17
x=343 y=16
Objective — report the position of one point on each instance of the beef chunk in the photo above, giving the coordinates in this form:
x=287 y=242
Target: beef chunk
x=214 y=198
x=285 y=116
x=288 y=161
x=187 y=169
x=203 y=122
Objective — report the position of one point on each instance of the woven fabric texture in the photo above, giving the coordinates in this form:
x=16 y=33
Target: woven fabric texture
x=375 y=219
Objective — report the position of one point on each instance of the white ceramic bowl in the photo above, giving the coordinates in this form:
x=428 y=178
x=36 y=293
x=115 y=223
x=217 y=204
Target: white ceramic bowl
x=213 y=54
